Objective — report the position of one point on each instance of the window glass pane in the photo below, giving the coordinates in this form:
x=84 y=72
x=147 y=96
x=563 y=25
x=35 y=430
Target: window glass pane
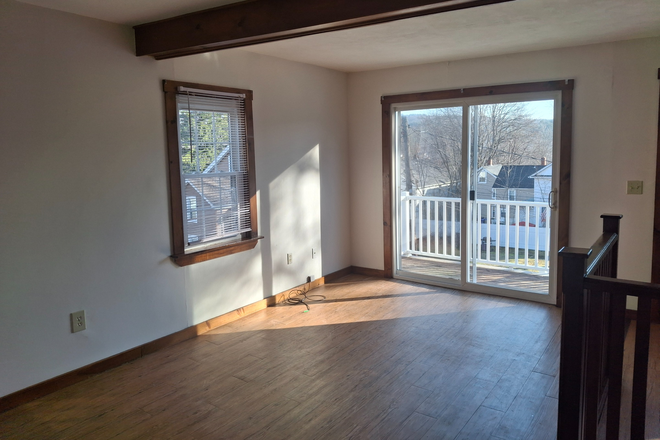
x=213 y=157
x=204 y=139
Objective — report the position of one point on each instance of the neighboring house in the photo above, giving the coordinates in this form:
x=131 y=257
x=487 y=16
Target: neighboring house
x=514 y=183
x=200 y=214
x=542 y=183
x=207 y=198
x=486 y=177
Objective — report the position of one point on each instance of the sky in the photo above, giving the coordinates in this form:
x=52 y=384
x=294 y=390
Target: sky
x=537 y=109
x=541 y=109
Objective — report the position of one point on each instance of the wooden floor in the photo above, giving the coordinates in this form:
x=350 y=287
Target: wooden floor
x=377 y=359
x=504 y=277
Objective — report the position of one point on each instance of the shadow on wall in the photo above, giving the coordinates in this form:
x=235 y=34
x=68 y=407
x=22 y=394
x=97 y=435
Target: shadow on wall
x=289 y=220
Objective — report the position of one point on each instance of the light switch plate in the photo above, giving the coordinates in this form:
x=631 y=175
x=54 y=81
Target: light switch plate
x=634 y=187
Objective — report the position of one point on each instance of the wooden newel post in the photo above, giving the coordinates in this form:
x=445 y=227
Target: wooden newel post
x=611 y=222
x=569 y=423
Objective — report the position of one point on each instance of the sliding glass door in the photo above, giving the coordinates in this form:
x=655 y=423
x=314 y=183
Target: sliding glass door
x=474 y=192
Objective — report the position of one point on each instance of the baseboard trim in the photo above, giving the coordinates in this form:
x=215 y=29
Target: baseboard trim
x=334 y=276
x=67 y=379
x=379 y=273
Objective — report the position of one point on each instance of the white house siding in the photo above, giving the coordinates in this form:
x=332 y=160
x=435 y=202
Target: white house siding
x=484 y=190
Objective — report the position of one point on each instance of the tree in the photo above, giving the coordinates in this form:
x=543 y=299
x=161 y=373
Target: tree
x=504 y=133
x=202 y=144
x=508 y=135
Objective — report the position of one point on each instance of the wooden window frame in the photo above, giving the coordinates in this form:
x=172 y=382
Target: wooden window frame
x=565 y=87
x=247 y=240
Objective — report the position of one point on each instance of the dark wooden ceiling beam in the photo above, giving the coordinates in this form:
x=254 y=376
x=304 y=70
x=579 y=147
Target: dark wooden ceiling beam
x=261 y=21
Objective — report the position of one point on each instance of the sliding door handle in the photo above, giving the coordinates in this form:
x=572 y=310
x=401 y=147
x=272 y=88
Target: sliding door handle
x=552 y=199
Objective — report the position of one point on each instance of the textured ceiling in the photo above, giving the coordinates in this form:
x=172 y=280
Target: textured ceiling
x=129 y=12
x=518 y=26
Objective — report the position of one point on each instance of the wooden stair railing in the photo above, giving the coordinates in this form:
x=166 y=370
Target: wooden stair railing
x=592 y=341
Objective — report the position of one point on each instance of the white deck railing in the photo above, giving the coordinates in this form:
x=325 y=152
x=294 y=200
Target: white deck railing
x=511 y=234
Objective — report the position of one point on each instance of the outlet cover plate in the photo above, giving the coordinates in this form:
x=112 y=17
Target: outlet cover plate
x=78 y=323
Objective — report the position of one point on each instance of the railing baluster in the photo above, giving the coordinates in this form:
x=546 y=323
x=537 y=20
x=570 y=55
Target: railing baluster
x=453 y=229
x=517 y=228
x=617 y=340
x=537 y=232
x=593 y=361
x=428 y=226
x=497 y=233
x=479 y=228
x=507 y=233
x=435 y=213
x=420 y=232
x=640 y=373
x=459 y=217
x=413 y=224
x=405 y=224
x=444 y=227
x=528 y=217
x=488 y=235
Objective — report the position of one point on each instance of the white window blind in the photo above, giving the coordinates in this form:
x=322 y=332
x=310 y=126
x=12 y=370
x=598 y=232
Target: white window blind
x=214 y=165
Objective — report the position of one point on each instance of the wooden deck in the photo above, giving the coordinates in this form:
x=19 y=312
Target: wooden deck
x=491 y=275
x=376 y=359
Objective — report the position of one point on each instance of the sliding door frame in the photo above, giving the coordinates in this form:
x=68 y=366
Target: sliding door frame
x=565 y=148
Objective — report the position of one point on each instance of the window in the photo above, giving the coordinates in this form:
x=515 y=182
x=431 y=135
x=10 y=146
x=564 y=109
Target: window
x=212 y=179
x=512 y=194
x=191 y=209
x=482 y=176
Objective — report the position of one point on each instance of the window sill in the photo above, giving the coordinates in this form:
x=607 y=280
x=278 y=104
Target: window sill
x=210 y=254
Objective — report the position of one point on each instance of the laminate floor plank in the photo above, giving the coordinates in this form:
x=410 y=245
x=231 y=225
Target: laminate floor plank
x=481 y=424
x=463 y=406
x=549 y=362
x=545 y=421
x=511 y=382
x=413 y=428
x=376 y=359
x=524 y=409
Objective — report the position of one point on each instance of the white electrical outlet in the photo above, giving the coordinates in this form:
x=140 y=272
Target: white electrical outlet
x=289 y=258
x=78 y=323
x=313 y=253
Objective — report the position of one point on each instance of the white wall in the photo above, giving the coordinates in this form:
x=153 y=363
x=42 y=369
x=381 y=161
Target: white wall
x=614 y=137
x=83 y=190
